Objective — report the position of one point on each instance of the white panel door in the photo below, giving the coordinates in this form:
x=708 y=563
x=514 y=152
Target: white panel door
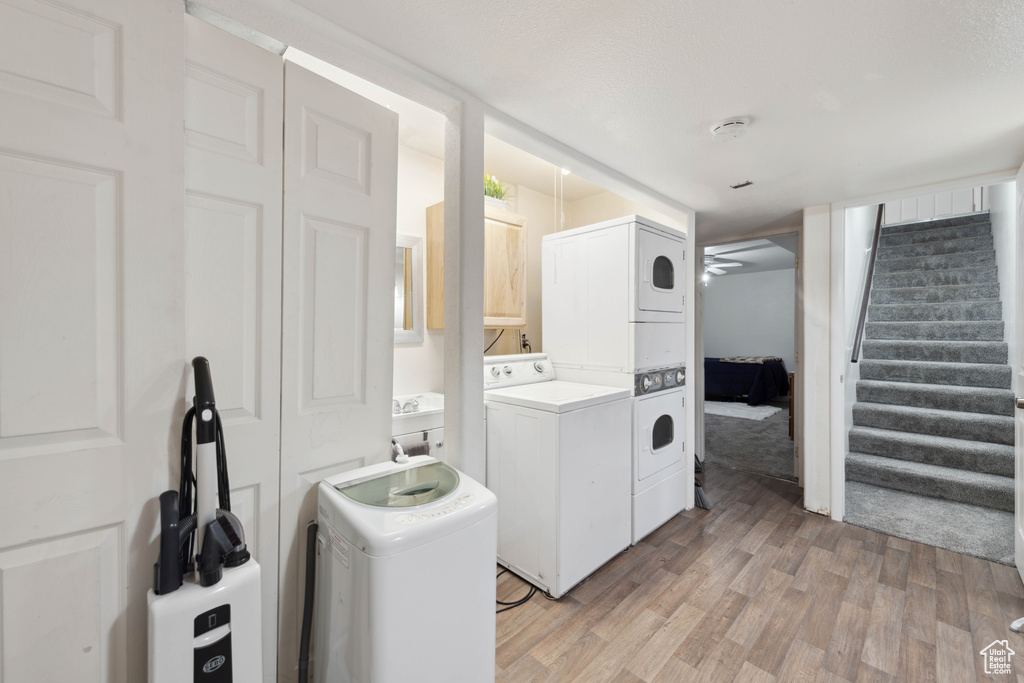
x=340 y=180
x=91 y=318
x=233 y=187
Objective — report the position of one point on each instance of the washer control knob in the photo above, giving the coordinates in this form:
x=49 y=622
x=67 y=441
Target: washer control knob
x=538 y=366
x=680 y=377
x=507 y=370
x=645 y=383
x=495 y=371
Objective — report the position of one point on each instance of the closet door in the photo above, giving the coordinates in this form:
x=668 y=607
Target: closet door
x=91 y=318
x=340 y=179
x=233 y=186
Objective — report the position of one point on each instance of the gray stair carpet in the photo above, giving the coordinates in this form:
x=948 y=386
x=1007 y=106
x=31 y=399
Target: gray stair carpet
x=931 y=455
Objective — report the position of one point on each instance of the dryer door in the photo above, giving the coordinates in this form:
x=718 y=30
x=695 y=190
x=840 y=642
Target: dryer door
x=661 y=272
x=659 y=420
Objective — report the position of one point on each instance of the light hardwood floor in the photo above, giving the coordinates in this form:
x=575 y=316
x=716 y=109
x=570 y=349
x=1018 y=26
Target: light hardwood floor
x=757 y=589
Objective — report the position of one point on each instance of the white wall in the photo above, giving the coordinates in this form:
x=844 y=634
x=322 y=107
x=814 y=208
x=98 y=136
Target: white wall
x=1002 y=205
x=751 y=314
x=859 y=232
x=419 y=367
x=814 y=335
x=605 y=206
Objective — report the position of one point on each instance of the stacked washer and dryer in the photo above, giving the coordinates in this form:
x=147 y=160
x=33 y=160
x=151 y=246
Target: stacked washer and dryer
x=613 y=315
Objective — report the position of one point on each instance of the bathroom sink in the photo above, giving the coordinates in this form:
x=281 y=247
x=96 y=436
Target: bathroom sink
x=430 y=414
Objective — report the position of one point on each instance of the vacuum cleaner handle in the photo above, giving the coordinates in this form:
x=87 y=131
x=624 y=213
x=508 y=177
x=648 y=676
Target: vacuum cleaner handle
x=206 y=424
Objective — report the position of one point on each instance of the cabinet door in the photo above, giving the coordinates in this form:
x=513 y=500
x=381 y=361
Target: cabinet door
x=504 y=270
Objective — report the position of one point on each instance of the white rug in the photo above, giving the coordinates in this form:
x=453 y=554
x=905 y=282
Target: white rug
x=741 y=410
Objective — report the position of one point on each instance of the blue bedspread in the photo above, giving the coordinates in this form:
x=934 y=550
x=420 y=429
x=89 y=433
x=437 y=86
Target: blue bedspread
x=759 y=382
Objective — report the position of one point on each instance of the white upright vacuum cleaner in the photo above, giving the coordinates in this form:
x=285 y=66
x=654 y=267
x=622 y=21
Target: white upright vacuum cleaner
x=204 y=609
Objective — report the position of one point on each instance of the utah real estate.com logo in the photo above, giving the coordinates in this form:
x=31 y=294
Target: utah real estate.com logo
x=997 y=657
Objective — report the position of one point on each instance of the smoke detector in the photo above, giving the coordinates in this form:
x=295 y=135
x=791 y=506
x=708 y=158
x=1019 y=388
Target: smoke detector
x=729 y=129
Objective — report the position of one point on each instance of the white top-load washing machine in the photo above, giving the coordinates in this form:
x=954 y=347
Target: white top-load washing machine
x=406 y=586
x=614 y=314
x=558 y=458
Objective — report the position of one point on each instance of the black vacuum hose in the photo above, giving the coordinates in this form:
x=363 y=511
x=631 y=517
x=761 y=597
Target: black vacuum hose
x=307 y=609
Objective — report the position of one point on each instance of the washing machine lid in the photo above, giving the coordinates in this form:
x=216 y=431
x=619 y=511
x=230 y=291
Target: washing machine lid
x=349 y=525
x=556 y=396
x=426 y=483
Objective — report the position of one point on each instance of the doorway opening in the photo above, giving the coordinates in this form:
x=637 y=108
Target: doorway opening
x=748 y=291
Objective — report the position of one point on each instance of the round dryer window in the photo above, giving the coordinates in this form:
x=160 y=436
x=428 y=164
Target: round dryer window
x=405 y=488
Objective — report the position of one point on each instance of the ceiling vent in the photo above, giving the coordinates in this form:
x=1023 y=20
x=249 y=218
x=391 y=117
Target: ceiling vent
x=729 y=129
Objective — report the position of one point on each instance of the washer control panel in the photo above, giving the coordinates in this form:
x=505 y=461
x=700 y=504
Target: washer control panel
x=436 y=513
x=659 y=380
x=515 y=369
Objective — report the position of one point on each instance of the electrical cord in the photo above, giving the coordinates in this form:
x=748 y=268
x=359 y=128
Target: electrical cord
x=515 y=603
x=495 y=340
x=187 y=502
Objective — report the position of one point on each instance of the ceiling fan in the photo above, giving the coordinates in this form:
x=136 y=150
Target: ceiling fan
x=714 y=267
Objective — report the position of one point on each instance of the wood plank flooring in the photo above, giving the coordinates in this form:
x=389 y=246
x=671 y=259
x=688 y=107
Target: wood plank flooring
x=757 y=589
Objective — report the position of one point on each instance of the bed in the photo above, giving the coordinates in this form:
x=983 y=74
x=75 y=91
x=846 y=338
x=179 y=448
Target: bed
x=758 y=382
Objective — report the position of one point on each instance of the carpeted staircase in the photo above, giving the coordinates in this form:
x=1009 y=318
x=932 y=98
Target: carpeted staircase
x=931 y=450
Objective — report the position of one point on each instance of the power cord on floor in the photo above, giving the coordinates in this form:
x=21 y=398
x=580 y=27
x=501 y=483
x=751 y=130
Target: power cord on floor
x=515 y=603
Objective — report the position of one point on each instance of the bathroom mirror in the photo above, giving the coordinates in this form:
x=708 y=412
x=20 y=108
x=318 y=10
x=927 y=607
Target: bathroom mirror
x=408 y=289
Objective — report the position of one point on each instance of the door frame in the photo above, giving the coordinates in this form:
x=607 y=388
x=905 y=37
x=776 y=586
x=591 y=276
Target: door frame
x=838 y=365
x=699 y=336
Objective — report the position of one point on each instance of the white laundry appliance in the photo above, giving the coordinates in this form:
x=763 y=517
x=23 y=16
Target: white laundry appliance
x=558 y=458
x=406 y=585
x=614 y=314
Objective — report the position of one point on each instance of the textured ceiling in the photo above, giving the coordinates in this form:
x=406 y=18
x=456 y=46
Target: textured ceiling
x=845 y=98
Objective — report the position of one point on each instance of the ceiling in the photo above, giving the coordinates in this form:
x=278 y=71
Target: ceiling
x=844 y=99
x=756 y=256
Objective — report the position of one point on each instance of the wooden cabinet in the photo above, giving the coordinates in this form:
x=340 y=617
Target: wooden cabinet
x=504 y=268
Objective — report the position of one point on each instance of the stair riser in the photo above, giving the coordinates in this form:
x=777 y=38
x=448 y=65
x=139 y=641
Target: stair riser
x=935 y=248
x=937 y=278
x=974 y=310
x=990 y=376
x=967 y=426
x=998 y=498
x=973 y=456
x=934 y=235
x=973 y=259
x=980 y=401
x=939 y=224
x=939 y=352
x=935 y=295
x=938 y=331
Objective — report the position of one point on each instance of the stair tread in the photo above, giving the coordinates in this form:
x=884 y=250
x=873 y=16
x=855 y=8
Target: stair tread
x=933 y=471
x=935 y=441
x=924 y=289
x=943 y=523
x=939 y=388
x=957 y=424
x=936 y=223
x=981 y=258
x=956 y=245
x=914 y=411
x=932 y=364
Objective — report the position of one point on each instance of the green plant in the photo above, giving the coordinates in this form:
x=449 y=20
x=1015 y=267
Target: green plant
x=495 y=188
